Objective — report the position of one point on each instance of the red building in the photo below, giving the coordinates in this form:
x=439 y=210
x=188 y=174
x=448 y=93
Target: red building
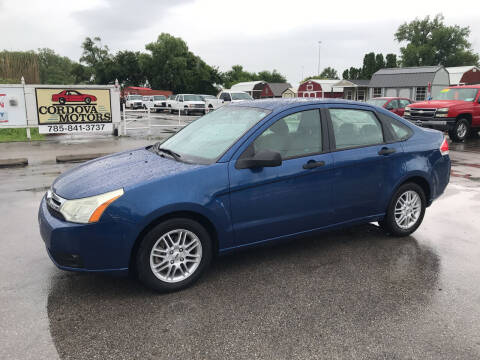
x=320 y=89
x=136 y=90
x=464 y=75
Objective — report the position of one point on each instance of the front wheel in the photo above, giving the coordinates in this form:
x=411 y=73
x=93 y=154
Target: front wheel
x=460 y=130
x=173 y=255
x=405 y=211
x=88 y=100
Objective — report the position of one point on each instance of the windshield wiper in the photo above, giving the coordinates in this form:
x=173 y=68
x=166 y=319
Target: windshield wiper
x=167 y=151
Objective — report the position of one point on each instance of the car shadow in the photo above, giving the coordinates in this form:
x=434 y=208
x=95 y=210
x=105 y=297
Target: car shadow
x=259 y=301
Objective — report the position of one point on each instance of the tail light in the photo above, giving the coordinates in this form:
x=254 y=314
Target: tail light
x=444 y=147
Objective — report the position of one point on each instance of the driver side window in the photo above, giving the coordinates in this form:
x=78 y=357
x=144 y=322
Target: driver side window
x=295 y=135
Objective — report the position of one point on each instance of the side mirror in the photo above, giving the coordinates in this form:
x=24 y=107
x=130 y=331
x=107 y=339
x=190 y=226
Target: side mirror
x=181 y=100
x=264 y=158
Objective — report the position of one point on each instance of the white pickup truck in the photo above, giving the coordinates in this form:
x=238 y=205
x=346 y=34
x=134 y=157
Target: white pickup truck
x=226 y=97
x=155 y=102
x=133 y=102
x=187 y=104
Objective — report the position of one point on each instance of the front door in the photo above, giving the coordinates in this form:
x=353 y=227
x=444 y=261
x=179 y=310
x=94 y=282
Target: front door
x=361 y=159
x=272 y=202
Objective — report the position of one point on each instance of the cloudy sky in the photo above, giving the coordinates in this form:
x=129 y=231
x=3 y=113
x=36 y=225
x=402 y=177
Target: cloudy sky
x=260 y=35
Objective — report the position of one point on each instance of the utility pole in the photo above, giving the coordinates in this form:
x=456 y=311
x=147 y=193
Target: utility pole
x=319 y=43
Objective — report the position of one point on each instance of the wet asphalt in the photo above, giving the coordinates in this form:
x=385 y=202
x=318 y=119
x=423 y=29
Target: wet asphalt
x=349 y=294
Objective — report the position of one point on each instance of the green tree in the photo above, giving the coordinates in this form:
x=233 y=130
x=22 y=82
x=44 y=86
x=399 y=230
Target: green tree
x=391 y=61
x=369 y=66
x=81 y=74
x=55 y=69
x=431 y=42
x=127 y=68
x=170 y=65
x=237 y=75
x=17 y=64
x=98 y=58
x=271 y=76
x=329 y=73
x=379 y=62
x=355 y=73
x=345 y=75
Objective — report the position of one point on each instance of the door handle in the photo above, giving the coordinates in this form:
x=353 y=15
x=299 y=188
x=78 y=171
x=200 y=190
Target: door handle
x=312 y=164
x=386 y=151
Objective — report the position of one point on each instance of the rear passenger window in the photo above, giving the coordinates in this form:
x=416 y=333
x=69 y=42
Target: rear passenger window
x=293 y=136
x=354 y=128
x=399 y=131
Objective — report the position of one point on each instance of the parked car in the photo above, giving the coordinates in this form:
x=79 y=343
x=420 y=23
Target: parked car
x=242 y=175
x=72 y=96
x=455 y=109
x=188 y=104
x=394 y=104
x=134 y=102
x=226 y=97
x=155 y=102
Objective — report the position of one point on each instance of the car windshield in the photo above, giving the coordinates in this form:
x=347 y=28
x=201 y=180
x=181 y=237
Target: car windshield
x=241 y=96
x=464 y=94
x=206 y=139
x=159 y=97
x=192 y=98
x=377 y=102
x=135 y=97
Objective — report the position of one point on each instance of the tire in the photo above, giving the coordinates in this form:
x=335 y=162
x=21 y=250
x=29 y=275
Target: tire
x=88 y=100
x=61 y=100
x=170 y=278
x=392 y=223
x=473 y=133
x=460 y=131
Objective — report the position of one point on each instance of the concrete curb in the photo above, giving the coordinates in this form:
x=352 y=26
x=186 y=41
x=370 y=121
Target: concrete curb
x=20 y=162
x=78 y=157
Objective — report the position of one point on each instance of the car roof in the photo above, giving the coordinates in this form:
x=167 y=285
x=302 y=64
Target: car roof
x=288 y=103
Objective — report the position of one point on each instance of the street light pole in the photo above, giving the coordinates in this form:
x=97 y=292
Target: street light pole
x=319 y=43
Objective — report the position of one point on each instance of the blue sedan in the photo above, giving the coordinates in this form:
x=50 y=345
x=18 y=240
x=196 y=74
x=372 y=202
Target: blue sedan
x=245 y=174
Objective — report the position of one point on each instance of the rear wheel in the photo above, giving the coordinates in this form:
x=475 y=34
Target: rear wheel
x=405 y=211
x=173 y=255
x=61 y=100
x=88 y=100
x=460 y=130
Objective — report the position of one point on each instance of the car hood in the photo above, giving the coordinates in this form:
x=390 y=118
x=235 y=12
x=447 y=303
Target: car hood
x=122 y=170
x=434 y=104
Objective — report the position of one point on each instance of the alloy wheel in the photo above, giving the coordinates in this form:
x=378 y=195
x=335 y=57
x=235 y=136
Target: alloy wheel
x=408 y=209
x=176 y=255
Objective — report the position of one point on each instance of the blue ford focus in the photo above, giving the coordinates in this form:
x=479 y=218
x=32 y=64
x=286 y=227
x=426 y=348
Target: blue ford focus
x=245 y=174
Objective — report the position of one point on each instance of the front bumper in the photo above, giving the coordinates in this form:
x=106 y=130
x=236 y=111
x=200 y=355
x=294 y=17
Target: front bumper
x=444 y=124
x=103 y=246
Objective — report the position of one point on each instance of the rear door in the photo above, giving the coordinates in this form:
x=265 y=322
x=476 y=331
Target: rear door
x=363 y=157
x=272 y=202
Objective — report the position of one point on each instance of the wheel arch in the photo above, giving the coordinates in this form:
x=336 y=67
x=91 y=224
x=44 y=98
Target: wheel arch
x=189 y=214
x=421 y=181
x=466 y=116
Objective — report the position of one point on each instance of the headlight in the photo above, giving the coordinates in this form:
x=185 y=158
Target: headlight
x=442 y=112
x=90 y=209
x=407 y=108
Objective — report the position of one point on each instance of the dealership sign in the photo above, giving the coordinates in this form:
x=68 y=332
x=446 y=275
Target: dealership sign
x=73 y=110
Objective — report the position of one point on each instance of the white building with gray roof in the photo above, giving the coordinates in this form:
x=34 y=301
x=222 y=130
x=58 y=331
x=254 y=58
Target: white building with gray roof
x=409 y=82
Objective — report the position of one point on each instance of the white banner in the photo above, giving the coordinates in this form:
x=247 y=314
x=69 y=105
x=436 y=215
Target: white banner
x=12 y=107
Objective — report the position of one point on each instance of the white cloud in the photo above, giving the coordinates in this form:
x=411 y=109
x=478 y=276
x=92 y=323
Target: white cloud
x=257 y=34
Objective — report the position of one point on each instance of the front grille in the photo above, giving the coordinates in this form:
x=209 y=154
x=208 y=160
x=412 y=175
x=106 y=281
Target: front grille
x=422 y=113
x=54 y=203
x=199 y=106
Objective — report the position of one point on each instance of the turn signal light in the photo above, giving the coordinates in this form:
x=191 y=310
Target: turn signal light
x=444 y=147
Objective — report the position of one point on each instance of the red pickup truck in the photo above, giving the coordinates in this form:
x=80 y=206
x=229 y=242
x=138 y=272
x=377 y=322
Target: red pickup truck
x=455 y=109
